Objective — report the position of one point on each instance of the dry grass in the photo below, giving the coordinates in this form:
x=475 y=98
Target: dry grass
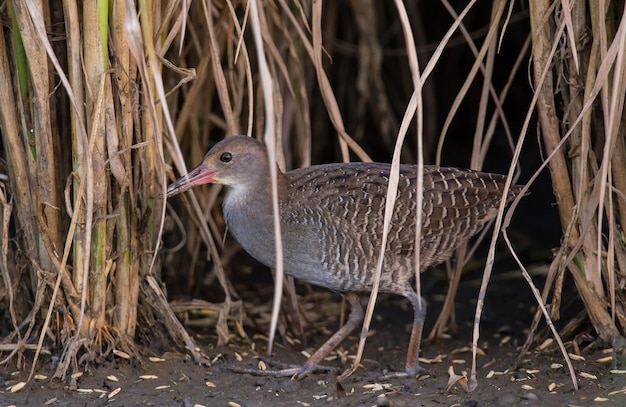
x=101 y=102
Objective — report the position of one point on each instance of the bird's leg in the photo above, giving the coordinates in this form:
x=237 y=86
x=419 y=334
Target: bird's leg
x=355 y=318
x=312 y=364
x=412 y=356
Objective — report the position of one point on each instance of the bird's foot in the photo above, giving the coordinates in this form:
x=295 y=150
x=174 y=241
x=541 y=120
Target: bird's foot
x=410 y=372
x=296 y=372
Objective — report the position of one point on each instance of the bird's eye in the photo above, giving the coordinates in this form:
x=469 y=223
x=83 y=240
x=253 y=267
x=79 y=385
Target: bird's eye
x=226 y=157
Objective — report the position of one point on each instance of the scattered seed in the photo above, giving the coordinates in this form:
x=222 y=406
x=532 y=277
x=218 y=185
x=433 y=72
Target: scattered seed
x=148 y=377
x=262 y=365
x=319 y=396
x=605 y=359
x=303 y=403
x=491 y=362
x=240 y=329
x=527 y=387
x=216 y=358
x=114 y=393
x=51 y=401
x=261 y=338
x=520 y=376
x=532 y=371
x=573 y=356
x=615 y=371
x=199 y=405
x=551 y=386
x=505 y=340
x=121 y=354
x=86 y=391
x=77 y=375
x=305 y=354
x=556 y=366
x=607 y=351
x=238 y=357
x=16 y=373
x=436 y=359
x=113 y=378
x=17 y=387
x=155 y=359
x=210 y=384
x=546 y=343
x=233 y=404
x=165 y=386
x=600 y=399
x=588 y=376
x=458 y=361
x=40 y=377
x=620 y=391
x=490 y=374
x=376 y=387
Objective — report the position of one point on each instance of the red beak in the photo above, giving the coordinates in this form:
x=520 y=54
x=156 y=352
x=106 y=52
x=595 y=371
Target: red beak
x=198 y=176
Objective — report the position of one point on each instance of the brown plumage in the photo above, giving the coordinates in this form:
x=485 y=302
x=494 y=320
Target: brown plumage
x=332 y=220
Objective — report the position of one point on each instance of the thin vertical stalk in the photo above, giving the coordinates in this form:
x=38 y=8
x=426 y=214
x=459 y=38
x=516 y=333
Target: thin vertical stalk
x=127 y=273
x=542 y=35
x=97 y=191
x=47 y=199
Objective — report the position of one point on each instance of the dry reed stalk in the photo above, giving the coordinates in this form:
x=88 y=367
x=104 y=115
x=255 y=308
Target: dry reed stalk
x=106 y=192
x=198 y=59
x=584 y=243
x=126 y=277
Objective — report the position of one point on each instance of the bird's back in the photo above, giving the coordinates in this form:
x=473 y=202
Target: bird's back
x=340 y=207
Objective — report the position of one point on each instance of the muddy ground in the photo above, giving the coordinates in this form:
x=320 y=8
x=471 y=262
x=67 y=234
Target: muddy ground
x=174 y=380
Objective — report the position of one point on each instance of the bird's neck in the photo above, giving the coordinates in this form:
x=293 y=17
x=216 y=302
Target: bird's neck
x=256 y=194
x=249 y=215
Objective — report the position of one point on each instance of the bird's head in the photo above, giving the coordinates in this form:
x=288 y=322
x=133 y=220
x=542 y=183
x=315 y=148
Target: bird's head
x=236 y=161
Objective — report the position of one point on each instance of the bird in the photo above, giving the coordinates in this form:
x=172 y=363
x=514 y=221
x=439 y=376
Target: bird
x=331 y=218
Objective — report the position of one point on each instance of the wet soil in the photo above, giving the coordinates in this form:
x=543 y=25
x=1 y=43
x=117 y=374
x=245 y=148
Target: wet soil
x=542 y=378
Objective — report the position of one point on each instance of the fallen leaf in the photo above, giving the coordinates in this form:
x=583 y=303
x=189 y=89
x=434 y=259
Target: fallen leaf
x=456 y=379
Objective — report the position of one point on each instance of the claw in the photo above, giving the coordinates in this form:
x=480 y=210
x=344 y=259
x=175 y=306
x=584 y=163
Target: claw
x=293 y=371
x=409 y=373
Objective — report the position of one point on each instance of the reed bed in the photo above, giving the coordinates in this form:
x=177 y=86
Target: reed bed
x=105 y=102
